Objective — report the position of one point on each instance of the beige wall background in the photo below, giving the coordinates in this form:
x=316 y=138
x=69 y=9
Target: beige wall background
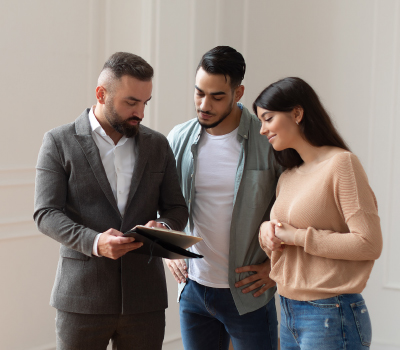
x=52 y=52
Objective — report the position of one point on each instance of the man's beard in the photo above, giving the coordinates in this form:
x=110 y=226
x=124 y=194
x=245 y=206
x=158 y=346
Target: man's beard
x=217 y=122
x=119 y=125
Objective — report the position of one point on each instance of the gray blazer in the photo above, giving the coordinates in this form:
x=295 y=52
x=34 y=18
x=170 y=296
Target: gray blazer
x=74 y=202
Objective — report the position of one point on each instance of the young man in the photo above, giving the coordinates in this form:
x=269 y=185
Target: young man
x=228 y=177
x=97 y=178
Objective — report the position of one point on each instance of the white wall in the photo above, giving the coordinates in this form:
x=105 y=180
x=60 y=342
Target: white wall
x=52 y=51
x=43 y=72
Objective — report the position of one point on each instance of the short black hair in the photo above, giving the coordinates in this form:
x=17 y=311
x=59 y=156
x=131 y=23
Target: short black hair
x=226 y=61
x=125 y=63
x=316 y=125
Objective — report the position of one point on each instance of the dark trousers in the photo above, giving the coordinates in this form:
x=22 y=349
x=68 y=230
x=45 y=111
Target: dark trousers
x=143 y=331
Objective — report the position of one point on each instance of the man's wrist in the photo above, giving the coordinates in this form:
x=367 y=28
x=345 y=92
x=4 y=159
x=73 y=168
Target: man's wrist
x=165 y=224
x=95 y=245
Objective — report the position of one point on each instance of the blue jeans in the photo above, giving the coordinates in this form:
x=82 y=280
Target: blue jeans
x=209 y=318
x=341 y=322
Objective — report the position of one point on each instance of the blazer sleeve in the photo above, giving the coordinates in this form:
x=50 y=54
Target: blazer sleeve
x=172 y=206
x=51 y=189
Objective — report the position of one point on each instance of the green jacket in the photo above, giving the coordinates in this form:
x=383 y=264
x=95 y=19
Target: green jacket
x=256 y=178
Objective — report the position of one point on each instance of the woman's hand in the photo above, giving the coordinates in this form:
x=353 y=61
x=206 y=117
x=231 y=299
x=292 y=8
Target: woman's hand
x=285 y=233
x=274 y=235
x=267 y=238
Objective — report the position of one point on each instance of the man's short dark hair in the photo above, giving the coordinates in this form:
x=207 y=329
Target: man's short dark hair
x=226 y=61
x=125 y=63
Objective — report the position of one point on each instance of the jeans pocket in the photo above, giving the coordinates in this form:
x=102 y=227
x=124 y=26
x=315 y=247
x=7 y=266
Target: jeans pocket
x=363 y=322
x=329 y=303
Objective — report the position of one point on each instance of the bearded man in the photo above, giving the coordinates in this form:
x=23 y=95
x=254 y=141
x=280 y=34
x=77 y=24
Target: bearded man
x=96 y=178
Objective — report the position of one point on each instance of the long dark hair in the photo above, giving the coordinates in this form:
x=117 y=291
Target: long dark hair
x=316 y=125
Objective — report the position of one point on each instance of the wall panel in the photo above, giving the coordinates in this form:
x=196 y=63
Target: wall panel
x=43 y=61
x=383 y=171
x=27 y=275
x=392 y=277
x=46 y=52
x=171 y=62
x=16 y=206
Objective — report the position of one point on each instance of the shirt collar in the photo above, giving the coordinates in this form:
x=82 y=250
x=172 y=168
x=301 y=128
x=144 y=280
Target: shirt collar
x=97 y=128
x=94 y=123
x=244 y=124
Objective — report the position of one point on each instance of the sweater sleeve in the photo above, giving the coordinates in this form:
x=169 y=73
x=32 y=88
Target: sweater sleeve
x=357 y=204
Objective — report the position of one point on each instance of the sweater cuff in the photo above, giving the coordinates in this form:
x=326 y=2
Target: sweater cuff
x=300 y=237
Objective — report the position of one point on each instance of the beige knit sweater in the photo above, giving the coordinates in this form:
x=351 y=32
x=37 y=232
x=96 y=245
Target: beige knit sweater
x=338 y=236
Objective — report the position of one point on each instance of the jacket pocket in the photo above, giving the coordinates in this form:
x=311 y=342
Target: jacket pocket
x=72 y=254
x=363 y=322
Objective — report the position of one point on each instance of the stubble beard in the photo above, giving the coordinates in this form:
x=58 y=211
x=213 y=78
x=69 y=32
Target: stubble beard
x=216 y=123
x=119 y=125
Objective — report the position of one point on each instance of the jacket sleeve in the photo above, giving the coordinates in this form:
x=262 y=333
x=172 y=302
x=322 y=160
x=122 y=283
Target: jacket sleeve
x=172 y=206
x=51 y=190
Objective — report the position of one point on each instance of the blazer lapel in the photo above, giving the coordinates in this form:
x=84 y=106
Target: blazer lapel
x=142 y=153
x=89 y=148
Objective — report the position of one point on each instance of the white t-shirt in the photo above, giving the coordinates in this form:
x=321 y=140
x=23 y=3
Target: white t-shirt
x=216 y=167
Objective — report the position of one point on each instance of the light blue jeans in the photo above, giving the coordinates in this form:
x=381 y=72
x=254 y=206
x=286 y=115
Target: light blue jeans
x=341 y=322
x=209 y=318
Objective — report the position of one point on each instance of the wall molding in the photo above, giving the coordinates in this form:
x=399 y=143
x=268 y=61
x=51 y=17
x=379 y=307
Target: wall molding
x=372 y=88
x=392 y=285
x=23 y=226
x=100 y=40
x=148 y=50
x=245 y=30
x=51 y=346
x=18 y=228
x=218 y=12
x=381 y=346
x=17 y=177
x=391 y=206
x=156 y=20
x=191 y=64
x=15 y=221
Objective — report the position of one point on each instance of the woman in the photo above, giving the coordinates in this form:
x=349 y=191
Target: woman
x=324 y=234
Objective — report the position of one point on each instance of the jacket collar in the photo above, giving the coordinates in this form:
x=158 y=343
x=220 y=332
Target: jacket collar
x=244 y=124
x=84 y=137
x=142 y=149
x=89 y=148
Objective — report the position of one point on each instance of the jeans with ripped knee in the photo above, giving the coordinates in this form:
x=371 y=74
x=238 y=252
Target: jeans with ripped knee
x=340 y=322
